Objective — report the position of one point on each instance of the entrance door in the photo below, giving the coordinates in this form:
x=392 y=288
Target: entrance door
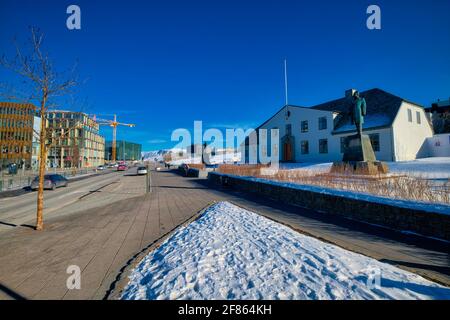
x=287 y=154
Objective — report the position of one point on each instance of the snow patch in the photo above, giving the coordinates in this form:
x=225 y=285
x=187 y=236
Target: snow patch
x=232 y=253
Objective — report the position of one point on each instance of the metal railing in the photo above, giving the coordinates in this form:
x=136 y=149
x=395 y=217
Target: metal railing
x=23 y=178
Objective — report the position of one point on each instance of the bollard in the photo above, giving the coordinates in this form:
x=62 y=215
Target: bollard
x=1 y=185
x=149 y=180
x=10 y=183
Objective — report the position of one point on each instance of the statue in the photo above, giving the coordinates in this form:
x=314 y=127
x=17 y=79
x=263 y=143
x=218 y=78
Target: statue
x=357 y=112
x=359 y=157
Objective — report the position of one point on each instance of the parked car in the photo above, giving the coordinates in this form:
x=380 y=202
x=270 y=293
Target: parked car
x=183 y=169
x=51 y=181
x=122 y=167
x=141 y=170
x=101 y=167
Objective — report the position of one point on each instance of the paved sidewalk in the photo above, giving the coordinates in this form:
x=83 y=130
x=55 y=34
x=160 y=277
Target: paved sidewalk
x=101 y=240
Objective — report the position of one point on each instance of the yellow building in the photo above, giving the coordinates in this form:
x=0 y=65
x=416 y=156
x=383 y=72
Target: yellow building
x=16 y=133
x=74 y=140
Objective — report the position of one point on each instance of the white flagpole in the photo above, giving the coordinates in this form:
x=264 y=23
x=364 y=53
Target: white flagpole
x=285 y=82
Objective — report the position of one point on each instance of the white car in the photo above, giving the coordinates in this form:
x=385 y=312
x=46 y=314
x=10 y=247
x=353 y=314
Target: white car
x=141 y=170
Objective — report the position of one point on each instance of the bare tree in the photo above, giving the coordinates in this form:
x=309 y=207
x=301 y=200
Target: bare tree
x=43 y=85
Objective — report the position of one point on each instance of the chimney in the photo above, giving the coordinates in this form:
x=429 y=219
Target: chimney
x=349 y=93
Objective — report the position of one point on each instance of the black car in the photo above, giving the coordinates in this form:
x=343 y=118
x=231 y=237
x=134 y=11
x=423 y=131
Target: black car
x=51 y=181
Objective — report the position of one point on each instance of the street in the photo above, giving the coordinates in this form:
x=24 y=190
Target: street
x=17 y=211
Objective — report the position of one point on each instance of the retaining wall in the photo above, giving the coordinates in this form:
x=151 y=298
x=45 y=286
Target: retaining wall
x=419 y=221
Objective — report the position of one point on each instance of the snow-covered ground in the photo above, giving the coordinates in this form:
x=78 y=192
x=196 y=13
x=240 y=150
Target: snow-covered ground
x=232 y=253
x=429 y=168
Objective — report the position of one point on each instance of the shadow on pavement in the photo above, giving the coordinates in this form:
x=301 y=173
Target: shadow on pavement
x=440 y=269
x=11 y=293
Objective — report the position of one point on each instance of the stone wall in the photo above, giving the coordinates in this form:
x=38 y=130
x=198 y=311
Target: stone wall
x=395 y=217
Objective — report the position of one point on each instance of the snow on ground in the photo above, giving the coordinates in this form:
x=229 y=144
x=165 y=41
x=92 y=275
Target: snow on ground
x=430 y=168
x=232 y=253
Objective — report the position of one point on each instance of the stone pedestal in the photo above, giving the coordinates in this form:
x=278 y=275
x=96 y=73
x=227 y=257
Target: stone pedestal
x=358 y=148
x=359 y=158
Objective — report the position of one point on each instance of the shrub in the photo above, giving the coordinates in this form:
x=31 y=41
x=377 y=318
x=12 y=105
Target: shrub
x=402 y=186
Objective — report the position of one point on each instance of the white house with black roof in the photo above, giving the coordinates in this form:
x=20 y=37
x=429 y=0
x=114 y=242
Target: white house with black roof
x=398 y=128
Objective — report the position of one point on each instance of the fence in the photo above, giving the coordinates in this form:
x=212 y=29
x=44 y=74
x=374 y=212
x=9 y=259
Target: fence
x=23 y=178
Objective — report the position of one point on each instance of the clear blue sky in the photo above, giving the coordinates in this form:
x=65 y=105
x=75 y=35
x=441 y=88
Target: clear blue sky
x=164 y=64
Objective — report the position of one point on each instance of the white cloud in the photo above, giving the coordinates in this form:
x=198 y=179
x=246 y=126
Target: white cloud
x=155 y=141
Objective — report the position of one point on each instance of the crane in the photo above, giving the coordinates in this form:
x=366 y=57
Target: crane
x=113 y=123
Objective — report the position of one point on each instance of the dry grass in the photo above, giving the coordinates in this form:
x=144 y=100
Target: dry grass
x=199 y=166
x=392 y=186
x=242 y=170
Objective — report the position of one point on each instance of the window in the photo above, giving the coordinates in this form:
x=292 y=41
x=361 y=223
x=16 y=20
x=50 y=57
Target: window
x=409 y=115
x=304 y=126
x=305 y=147
x=288 y=129
x=322 y=123
x=418 y=117
x=343 y=144
x=323 y=146
x=375 y=141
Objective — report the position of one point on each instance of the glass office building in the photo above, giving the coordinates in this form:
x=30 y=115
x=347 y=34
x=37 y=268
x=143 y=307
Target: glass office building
x=125 y=150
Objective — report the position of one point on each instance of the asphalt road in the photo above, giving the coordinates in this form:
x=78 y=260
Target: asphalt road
x=21 y=210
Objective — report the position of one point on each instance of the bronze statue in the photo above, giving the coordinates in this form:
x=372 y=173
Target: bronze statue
x=358 y=111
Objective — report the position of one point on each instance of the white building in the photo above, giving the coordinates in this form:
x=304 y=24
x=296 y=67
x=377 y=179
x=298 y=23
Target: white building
x=398 y=128
x=35 y=142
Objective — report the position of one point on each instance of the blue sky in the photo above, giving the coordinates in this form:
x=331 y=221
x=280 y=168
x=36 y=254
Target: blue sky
x=164 y=64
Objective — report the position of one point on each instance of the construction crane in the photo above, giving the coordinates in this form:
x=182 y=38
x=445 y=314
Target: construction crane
x=113 y=124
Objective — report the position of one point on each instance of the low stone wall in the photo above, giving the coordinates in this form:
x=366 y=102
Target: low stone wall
x=197 y=173
x=395 y=217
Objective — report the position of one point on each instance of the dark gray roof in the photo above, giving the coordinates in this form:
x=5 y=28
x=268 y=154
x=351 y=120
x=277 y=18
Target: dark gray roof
x=382 y=108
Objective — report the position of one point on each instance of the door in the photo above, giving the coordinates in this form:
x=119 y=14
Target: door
x=287 y=156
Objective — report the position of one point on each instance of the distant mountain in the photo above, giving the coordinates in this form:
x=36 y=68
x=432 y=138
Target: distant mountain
x=153 y=155
x=157 y=155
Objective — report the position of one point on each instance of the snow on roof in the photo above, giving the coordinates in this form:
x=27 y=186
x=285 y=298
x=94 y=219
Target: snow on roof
x=370 y=122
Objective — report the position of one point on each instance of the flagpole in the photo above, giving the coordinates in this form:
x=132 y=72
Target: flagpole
x=285 y=82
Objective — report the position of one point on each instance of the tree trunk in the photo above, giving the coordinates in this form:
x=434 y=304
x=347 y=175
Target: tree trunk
x=42 y=156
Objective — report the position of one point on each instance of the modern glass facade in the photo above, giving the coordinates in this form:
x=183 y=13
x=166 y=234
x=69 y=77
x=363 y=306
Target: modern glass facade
x=125 y=150
x=16 y=134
